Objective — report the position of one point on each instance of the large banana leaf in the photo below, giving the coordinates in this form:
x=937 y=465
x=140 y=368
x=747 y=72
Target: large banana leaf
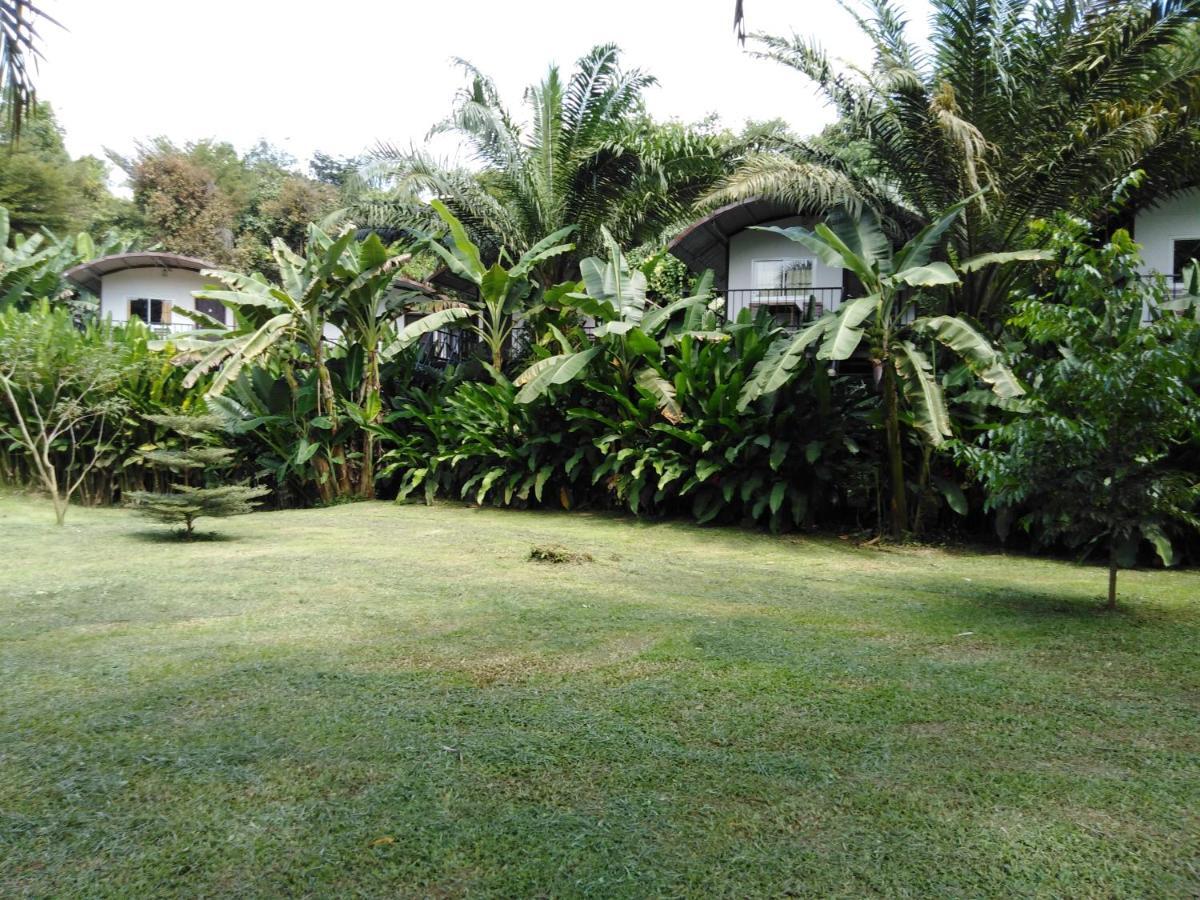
x=860 y=235
x=661 y=315
x=845 y=331
x=648 y=379
x=202 y=319
x=538 y=378
x=931 y=275
x=827 y=253
x=465 y=259
x=243 y=351
x=918 y=251
x=976 y=351
x=776 y=369
x=549 y=246
x=923 y=392
x=996 y=259
x=413 y=332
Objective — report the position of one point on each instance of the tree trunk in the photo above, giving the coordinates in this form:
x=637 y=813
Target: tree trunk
x=1112 y=576
x=325 y=485
x=899 y=503
x=366 y=478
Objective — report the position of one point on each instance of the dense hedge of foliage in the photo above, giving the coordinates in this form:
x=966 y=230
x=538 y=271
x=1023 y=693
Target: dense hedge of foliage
x=603 y=397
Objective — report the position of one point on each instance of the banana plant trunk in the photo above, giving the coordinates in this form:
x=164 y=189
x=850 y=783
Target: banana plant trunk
x=366 y=476
x=338 y=480
x=891 y=412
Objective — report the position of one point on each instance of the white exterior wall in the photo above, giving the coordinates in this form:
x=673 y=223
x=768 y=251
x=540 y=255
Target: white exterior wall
x=174 y=285
x=1157 y=228
x=749 y=245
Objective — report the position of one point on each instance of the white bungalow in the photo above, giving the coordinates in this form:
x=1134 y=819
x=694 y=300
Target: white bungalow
x=1169 y=234
x=150 y=286
x=756 y=269
x=760 y=270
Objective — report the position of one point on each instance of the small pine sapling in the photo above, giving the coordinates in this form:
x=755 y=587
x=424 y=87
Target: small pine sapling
x=201 y=460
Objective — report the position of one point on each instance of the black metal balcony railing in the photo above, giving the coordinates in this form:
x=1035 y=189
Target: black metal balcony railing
x=791 y=307
x=162 y=329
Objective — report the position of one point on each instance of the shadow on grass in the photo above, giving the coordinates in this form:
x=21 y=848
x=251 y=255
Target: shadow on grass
x=1031 y=604
x=171 y=536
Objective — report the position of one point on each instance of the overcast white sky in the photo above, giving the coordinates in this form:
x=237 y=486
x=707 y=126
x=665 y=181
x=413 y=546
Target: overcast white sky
x=308 y=75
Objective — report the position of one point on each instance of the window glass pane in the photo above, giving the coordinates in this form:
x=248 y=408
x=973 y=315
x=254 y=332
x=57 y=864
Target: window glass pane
x=1185 y=252
x=156 y=310
x=782 y=274
x=214 y=308
x=797 y=274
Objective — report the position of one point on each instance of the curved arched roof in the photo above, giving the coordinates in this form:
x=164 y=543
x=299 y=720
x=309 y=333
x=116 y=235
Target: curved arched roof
x=87 y=275
x=703 y=244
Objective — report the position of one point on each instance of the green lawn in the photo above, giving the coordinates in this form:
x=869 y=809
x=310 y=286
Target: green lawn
x=375 y=700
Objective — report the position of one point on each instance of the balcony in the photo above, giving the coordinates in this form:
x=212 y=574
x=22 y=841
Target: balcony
x=161 y=329
x=790 y=307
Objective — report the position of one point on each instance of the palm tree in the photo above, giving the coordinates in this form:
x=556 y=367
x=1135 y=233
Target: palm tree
x=18 y=47
x=1033 y=105
x=589 y=157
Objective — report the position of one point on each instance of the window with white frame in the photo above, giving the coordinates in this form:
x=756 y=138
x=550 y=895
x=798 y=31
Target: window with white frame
x=787 y=279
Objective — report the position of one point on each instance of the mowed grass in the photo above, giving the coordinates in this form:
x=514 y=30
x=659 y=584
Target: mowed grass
x=393 y=701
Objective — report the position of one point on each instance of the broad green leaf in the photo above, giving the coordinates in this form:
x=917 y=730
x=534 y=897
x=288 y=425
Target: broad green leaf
x=648 y=379
x=828 y=254
x=550 y=246
x=863 y=238
x=918 y=251
x=845 y=331
x=931 y=275
x=1162 y=544
x=778 y=454
x=494 y=283
x=567 y=368
x=775 y=370
x=954 y=495
x=924 y=393
x=659 y=316
x=996 y=259
x=413 y=331
x=471 y=264
x=976 y=351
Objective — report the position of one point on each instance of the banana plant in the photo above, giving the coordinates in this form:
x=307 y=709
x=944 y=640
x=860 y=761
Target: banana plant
x=366 y=309
x=503 y=293
x=629 y=332
x=32 y=267
x=337 y=281
x=886 y=320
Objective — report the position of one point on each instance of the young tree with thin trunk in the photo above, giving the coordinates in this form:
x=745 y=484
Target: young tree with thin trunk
x=60 y=394
x=1111 y=398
